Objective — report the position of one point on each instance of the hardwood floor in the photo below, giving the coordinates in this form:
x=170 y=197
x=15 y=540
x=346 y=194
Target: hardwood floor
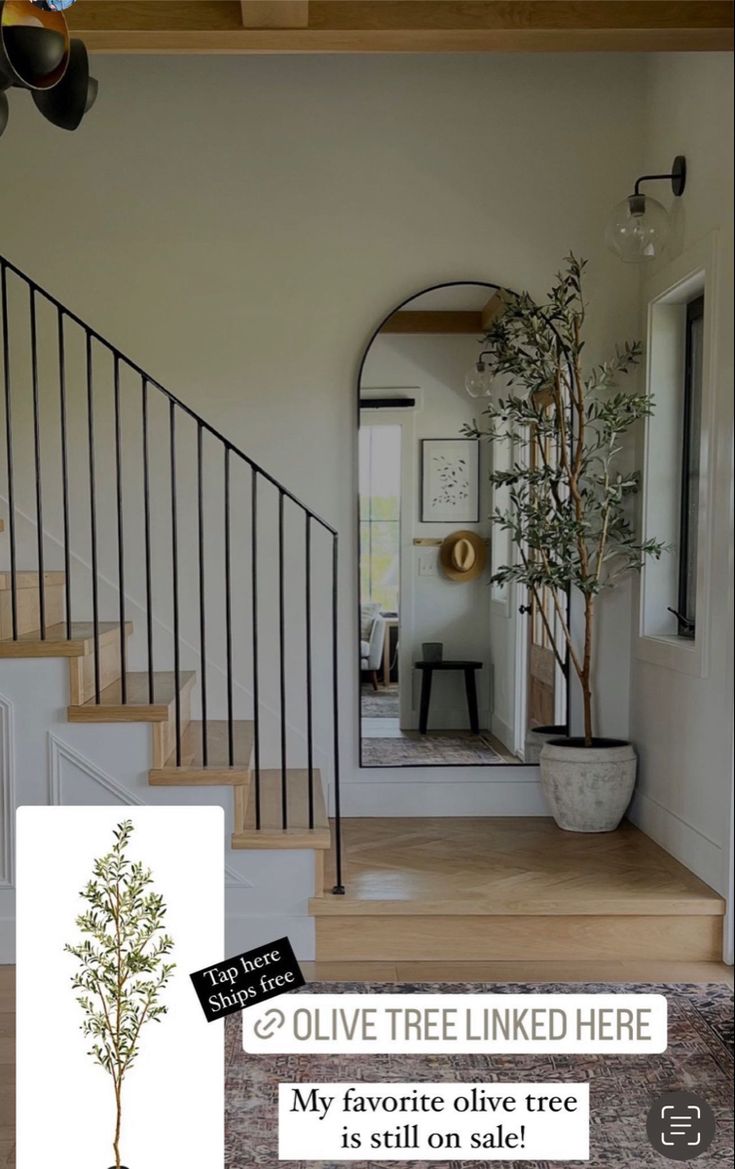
x=512 y=889
x=512 y=862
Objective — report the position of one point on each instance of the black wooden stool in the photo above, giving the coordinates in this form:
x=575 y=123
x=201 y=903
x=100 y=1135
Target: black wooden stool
x=469 y=668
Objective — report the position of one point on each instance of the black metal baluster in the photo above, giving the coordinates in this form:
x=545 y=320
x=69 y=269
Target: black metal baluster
x=228 y=615
x=309 y=696
x=175 y=564
x=64 y=470
x=202 y=594
x=147 y=540
x=93 y=518
x=37 y=464
x=9 y=452
x=338 y=887
x=120 y=537
x=256 y=678
x=282 y=661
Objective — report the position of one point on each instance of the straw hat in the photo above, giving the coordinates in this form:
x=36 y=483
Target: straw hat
x=462 y=555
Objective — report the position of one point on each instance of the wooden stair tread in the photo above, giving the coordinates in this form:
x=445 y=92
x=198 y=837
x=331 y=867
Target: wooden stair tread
x=271 y=833
x=218 y=769
x=26 y=578
x=137 y=708
x=56 y=644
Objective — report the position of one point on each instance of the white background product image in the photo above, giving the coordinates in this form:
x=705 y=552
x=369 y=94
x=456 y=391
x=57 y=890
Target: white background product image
x=173 y=1095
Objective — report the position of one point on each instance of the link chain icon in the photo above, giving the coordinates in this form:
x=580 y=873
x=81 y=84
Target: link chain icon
x=680 y=1126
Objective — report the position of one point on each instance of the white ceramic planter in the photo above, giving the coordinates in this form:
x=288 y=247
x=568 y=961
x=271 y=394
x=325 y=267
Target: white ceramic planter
x=588 y=788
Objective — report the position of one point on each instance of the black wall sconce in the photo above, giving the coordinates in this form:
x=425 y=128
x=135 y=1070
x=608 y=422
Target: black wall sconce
x=36 y=53
x=639 y=227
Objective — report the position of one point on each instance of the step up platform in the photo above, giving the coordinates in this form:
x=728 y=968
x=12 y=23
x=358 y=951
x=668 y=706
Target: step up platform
x=509 y=890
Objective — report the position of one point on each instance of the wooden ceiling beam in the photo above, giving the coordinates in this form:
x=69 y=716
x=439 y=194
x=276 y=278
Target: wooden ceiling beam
x=401 y=26
x=442 y=321
x=494 y=308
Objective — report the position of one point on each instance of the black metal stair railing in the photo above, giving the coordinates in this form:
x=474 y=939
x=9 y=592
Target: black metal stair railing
x=74 y=472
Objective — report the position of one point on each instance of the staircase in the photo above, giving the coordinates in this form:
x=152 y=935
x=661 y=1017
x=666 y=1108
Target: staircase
x=184 y=586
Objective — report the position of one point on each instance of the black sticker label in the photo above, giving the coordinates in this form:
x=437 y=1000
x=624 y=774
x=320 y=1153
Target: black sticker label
x=247 y=979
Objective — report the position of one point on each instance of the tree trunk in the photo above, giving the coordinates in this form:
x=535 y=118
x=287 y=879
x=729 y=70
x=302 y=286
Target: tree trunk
x=586 y=675
x=118 y=1125
x=587 y=696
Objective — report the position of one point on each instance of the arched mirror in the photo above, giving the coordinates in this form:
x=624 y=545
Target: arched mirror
x=455 y=668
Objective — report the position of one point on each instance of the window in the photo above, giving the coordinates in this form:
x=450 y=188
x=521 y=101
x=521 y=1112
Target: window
x=380 y=515
x=676 y=490
x=689 y=501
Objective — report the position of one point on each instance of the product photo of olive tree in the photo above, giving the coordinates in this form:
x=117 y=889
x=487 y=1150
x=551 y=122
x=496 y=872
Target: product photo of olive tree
x=123 y=967
x=566 y=507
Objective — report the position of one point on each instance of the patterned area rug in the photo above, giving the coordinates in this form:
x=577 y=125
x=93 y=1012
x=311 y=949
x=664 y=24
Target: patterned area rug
x=699 y=1059
x=446 y=749
x=379 y=703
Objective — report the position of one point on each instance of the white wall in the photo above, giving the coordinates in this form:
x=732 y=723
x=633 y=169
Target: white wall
x=239 y=225
x=682 y=723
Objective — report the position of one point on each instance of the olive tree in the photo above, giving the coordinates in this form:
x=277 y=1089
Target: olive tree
x=566 y=495
x=123 y=969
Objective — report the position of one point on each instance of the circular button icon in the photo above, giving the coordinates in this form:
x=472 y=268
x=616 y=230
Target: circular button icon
x=680 y=1126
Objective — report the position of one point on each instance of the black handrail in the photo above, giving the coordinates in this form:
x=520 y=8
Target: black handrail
x=91 y=462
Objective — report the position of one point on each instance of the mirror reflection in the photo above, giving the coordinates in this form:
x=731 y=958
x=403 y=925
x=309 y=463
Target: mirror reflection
x=454 y=668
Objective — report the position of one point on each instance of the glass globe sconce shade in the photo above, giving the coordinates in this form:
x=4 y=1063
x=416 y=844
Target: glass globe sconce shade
x=479 y=380
x=4 y=111
x=639 y=228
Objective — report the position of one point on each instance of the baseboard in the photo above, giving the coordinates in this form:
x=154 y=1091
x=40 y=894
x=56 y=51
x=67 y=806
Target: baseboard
x=688 y=844
x=453 y=796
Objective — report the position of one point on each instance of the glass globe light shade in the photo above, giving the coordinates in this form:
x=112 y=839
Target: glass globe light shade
x=479 y=381
x=638 y=229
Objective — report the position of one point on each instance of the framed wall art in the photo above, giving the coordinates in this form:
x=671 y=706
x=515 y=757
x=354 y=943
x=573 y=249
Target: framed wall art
x=450 y=481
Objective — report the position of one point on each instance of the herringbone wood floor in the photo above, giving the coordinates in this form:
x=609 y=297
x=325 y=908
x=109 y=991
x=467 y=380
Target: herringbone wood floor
x=524 y=864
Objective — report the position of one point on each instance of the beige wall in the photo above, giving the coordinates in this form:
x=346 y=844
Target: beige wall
x=239 y=225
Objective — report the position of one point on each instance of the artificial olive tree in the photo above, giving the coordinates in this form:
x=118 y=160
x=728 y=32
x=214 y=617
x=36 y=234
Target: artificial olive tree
x=567 y=497
x=122 y=962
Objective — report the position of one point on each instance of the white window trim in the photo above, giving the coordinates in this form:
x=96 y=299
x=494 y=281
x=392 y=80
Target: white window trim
x=693 y=272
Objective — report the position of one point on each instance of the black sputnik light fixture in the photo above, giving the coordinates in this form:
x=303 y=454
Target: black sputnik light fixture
x=36 y=53
x=639 y=227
